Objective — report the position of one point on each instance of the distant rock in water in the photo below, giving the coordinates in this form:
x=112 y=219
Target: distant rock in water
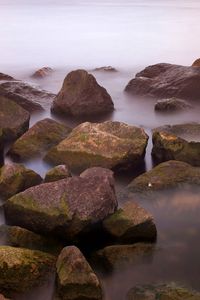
x=81 y=95
x=57 y=173
x=105 y=69
x=177 y=142
x=171 y=104
x=196 y=63
x=5 y=77
x=42 y=73
x=166 y=80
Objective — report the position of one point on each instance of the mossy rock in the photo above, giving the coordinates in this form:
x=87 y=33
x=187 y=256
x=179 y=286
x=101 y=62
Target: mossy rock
x=21 y=269
x=57 y=173
x=15 y=178
x=162 y=292
x=177 y=142
x=39 y=139
x=171 y=105
x=110 y=145
x=75 y=278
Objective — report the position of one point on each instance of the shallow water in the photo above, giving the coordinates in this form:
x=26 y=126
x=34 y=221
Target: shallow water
x=128 y=35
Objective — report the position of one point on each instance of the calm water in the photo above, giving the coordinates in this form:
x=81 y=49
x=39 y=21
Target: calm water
x=128 y=35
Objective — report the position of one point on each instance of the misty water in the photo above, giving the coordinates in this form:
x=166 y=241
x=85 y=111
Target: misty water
x=129 y=35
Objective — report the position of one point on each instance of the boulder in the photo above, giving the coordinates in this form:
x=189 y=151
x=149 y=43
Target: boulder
x=29 y=97
x=81 y=95
x=69 y=208
x=177 y=142
x=42 y=73
x=196 y=63
x=171 y=104
x=166 y=80
x=39 y=139
x=105 y=69
x=57 y=173
x=22 y=269
x=75 y=278
x=5 y=77
x=163 y=292
x=111 y=145
x=166 y=175
x=15 y=178
x=130 y=224
x=14 y=120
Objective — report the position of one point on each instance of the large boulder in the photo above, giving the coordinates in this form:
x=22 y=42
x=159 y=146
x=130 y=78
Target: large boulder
x=69 y=208
x=171 y=105
x=167 y=80
x=15 y=178
x=39 y=139
x=81 y=95
x=130 y=224
x=75 y=278
x=110 y=145
x=22 y=269
x=162 y=292
x=14 y=120
x=177 y=142
x=166 y=175
x=29 y=97
x=57 y=173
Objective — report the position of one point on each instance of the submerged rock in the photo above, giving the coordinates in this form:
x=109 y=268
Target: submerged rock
x=110 y=145
x=68 y=208
x=75 y=278
x=166 y=80
x=39 y=139
x=14 y=120
x=105 y=69
x=81 y=95
x=15 y=178
x=22 y=269
x=166 y=175
x=57 y=173
x=42 y=73
x=30 y=98
x=130 y=224
x=177 y=142
x=162 y=292
x=171 y=104
x=196 y=63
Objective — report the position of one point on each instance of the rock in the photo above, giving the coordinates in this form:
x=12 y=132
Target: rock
x=39 y=139
x=57 y=173
x=166 y=175
x=42 y=73
x=15 y=178
x=81 y=95
x=22 y=269
x=75 y=278
x=171 y=104
x=130 y=224
x=177 y=142
x=5 y=77
x=105 y=69
x=2 y=297
x=163 y=292
x=166 y=80
x=20 y=237
x=69 y=208
x=196 y=63
x=14 y=120
x=30 y=98
x=111 y=145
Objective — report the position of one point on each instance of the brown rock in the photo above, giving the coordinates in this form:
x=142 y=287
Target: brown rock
x=42 y=73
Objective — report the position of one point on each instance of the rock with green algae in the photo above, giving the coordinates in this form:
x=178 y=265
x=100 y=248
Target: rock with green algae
x=15 y=178
x=177 y=142
x=110 y=145
x=57 y=173
x=75 y=278
x=22 y=269
x=14 y=120
x=39 y=139
x=65 y=208
x=130 y=224
x=162 y=292
x=20 y=237
x=169 y=174
x=81 y=95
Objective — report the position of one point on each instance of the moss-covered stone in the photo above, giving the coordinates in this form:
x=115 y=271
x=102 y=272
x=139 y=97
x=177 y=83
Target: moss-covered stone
x=22 y=269
x=130 y=224
x=177 y=142
x=171 y=105
x=162 y=292
x=15 y=178
x=57 y=173
x=39 y=139
x=110 y=145
x=75 y=278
